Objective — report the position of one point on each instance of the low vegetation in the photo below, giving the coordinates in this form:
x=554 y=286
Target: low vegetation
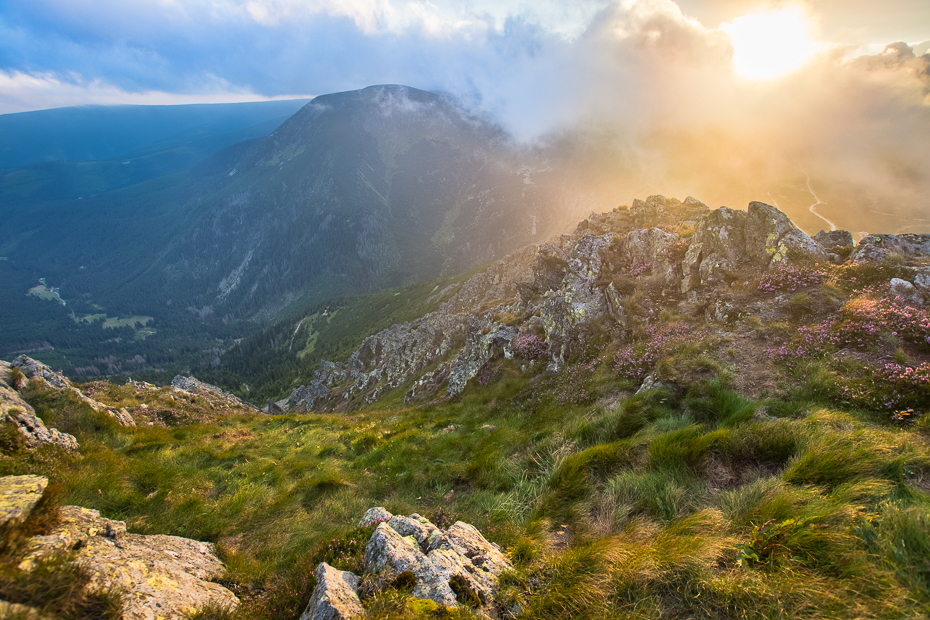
x=704 y=496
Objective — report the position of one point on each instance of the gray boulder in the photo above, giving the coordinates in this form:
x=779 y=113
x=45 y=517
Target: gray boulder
x=727 y=240
x=335 y=596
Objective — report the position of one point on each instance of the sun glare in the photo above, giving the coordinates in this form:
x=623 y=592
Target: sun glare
x=769 y=45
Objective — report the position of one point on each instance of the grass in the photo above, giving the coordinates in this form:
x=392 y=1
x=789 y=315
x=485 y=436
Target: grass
x=687 y=501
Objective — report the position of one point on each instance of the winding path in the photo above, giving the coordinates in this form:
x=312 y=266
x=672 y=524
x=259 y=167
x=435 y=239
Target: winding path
x=819 y=201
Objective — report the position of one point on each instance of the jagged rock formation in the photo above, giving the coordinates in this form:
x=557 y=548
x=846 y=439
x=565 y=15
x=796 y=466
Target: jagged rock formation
x=33 y=369
x=446 y=565
x=14 y=410
x=193 y=386
x=556 y=292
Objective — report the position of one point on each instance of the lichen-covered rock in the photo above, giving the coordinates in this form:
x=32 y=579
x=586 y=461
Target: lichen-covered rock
x=374 y=515
x=16 y=411
x=648 y=251
x=18 y=496
x=415 y=526
x=579 y=299
x=467 y=541
x=33 y=369
x=335 y=596
x=459 y=557
x=161 y=577
x=726 y=240
x=388 y=549
x=876 y=248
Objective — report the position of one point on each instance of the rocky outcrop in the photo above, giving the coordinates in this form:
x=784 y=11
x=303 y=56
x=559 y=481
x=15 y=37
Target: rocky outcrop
x=335 y=596
x=193 y=386
x=33 y=369
x=18 y=496
x=561 y=290
x=14 y=410
x=876 y=248
x=448 y=566
x=726 y=241
x=160 y=577
x=373 y=516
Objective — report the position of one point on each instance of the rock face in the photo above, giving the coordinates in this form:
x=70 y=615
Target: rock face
x=16 y=411
x=18 y=496
x=33 y=369
x=161 y=577
x=335 y=596
x=558 y=292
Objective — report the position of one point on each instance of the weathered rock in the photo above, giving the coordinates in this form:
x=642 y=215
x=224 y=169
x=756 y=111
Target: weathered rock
x=335 y=596
x=836 y=243
x=876 y=248
x=415 y=526
x=122 y=416
x=388 y=549
x=161 y=577
x=18 y=496
x=34 y=369
x=648 y=251
x=578 y=301
x=467 y=541
x=192 y=385
x=18 y=412
x=727 y=240
x=906 y=292
x=441 y=566
x=373 y=516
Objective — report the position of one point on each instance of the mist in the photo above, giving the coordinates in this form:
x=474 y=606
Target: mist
x=647 y=102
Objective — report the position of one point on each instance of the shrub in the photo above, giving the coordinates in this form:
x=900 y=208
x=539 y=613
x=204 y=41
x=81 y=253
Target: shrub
x=530 y=346
x=790 y=278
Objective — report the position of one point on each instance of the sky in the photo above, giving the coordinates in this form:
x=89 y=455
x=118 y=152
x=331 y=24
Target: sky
x=699 y=94
x=70 y=52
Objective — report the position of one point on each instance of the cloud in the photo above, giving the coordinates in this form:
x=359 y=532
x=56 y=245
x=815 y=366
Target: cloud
x=21 y=92
x=653 y=80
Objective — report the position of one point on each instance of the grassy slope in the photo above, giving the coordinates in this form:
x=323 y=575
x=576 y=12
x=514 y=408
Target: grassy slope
x=700 y=502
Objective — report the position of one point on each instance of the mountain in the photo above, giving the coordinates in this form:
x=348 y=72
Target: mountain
x=356 y=192
x=93 y=133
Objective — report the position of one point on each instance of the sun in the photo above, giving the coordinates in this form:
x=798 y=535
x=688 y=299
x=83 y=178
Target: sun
x=769 y=45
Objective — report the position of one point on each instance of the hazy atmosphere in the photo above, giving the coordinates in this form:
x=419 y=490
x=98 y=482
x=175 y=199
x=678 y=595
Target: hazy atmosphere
x=464 y=310
x=727 y=99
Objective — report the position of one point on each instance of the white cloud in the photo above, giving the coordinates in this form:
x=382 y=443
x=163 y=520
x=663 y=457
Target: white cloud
x=20 y=92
